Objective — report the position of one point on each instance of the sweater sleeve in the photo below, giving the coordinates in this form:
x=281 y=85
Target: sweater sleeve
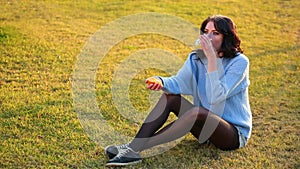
x=221 y=85
x=182 y=82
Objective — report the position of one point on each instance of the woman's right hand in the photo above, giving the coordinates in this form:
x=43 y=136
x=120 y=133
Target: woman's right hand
x=154 y=83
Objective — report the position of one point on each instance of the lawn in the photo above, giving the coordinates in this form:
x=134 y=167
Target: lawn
x=40 y=46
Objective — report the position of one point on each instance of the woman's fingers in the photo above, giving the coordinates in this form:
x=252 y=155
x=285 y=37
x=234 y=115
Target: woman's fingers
x=154 y=86
x=207 y=46
x=154 y=83
x=205 y=41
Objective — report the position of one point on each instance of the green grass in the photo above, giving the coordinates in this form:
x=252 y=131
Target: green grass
x=39 y=44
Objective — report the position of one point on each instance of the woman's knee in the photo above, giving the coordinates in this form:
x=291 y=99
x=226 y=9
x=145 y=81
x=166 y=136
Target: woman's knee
x=172 y=99
x=172 y=102
x=199 y=113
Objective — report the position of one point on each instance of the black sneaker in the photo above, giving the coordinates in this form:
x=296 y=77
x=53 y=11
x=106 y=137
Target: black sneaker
x=126 y=156
x=112 y=151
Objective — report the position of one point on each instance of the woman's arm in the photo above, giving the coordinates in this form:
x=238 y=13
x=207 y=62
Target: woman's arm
x=222 y=85
x=219 y=84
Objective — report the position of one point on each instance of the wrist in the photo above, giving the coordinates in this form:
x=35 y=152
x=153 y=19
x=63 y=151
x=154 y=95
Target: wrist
x=212 y=64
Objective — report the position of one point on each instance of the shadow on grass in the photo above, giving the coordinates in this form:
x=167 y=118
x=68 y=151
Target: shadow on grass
x=186 y=154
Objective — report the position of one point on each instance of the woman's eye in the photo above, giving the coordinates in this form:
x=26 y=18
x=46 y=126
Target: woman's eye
x=216 y=33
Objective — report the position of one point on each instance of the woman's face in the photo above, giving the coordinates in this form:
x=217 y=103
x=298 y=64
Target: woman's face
x=215 y=36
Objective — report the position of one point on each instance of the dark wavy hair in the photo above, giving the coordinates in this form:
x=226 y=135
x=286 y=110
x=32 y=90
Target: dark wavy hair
x=231 y=42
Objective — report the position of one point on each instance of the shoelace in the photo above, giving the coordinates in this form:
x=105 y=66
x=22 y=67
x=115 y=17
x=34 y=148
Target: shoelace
x=123 y=152
x=123 y=146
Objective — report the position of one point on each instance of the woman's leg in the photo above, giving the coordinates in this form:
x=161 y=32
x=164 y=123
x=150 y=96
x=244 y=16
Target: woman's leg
x=190 y=119
x=224 y=136
x=158 y=116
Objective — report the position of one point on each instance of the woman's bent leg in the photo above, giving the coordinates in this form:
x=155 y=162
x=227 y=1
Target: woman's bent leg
x=158 y=116
x=190 y=119
x=224 y=135
x=178 y=128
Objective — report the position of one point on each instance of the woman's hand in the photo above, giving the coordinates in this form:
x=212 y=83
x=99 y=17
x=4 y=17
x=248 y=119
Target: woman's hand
x=210 y=52
x=154 y=83
x=207 y=46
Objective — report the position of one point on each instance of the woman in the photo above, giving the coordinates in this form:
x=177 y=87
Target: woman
x=218 y=78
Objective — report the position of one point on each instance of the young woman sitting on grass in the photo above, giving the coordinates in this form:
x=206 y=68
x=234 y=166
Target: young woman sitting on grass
x=217 y=76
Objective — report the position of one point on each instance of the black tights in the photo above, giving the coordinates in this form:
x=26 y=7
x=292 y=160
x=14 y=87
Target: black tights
x=190 y=119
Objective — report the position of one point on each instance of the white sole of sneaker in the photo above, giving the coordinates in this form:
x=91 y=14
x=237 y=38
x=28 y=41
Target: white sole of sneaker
x=122 y=164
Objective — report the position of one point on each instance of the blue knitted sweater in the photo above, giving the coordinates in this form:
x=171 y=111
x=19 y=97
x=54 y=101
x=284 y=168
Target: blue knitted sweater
x=223 y=92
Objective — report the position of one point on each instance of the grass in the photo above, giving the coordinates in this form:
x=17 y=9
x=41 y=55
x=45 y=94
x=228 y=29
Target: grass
x=39 y=44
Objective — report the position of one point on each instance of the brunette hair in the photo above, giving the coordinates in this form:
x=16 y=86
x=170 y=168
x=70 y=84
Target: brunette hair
x=231 y=42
